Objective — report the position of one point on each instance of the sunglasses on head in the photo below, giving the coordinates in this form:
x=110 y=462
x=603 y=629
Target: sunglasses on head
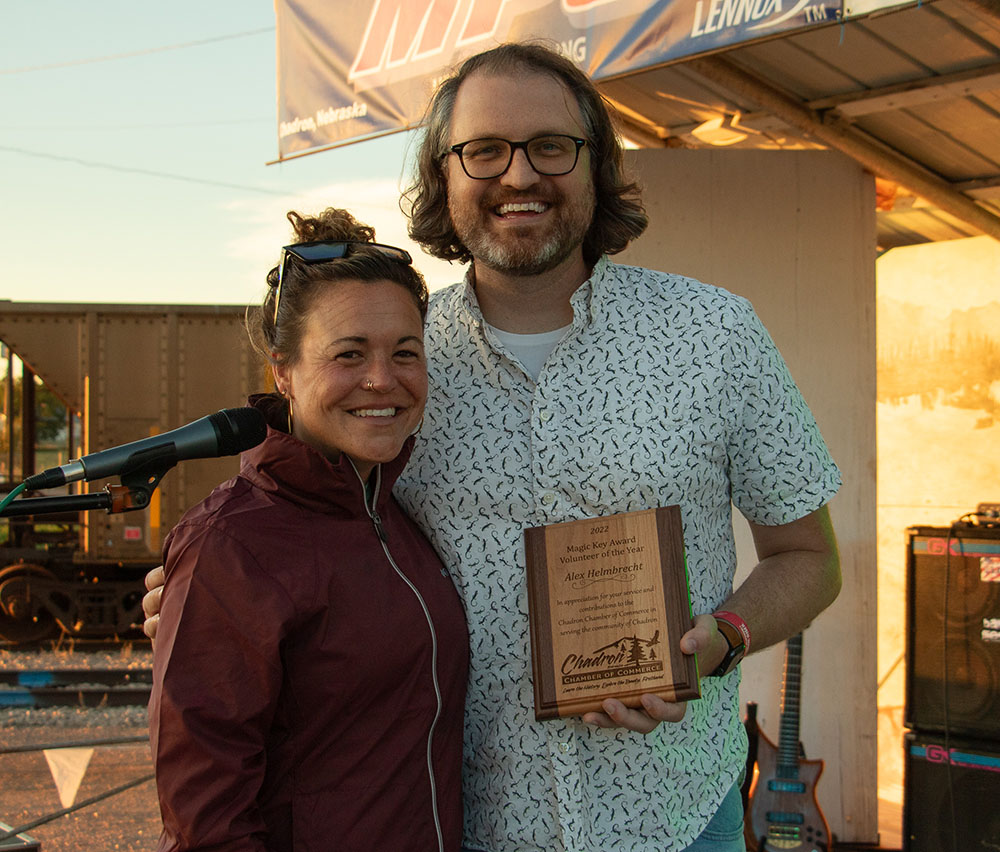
x=321 y=251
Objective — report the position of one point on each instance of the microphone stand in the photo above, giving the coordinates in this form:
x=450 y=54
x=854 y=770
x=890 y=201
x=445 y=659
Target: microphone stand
x=140 y=476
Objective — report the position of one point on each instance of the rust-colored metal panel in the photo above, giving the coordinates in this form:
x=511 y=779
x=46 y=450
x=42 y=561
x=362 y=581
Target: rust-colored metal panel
x=211 y=354
x=49 y=342
x=133 y=371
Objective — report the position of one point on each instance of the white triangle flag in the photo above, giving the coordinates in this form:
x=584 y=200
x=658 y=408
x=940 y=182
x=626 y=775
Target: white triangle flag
x=68 y=766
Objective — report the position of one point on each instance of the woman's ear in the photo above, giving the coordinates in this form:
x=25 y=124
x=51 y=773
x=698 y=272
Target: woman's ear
x=281 y=379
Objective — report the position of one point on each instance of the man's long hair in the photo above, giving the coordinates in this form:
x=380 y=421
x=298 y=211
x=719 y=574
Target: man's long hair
x=619 y=216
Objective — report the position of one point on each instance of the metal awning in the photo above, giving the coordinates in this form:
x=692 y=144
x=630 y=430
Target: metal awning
x=913 y=94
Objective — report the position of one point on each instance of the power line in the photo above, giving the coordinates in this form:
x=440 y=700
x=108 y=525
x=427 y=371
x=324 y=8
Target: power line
x=34 y=128
x=115 y=56
x=147 y=172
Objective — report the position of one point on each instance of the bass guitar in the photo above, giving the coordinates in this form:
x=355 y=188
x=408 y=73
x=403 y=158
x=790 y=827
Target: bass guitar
x=782 y=812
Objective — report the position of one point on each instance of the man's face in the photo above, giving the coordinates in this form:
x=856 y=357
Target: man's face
x=521 y=223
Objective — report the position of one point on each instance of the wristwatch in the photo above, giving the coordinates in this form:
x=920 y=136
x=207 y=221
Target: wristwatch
x=737 y=645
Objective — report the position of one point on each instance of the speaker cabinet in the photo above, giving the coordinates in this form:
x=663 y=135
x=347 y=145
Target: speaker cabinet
x=953 y=631
x=950 y=794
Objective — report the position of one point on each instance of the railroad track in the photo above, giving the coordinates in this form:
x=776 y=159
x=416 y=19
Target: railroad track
x=76 y=643
x=75 y=688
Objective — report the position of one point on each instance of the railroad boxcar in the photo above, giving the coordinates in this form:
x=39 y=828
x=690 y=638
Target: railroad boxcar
x=78 y=378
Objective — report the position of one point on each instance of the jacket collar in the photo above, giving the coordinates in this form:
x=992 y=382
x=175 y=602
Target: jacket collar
x=286 y=467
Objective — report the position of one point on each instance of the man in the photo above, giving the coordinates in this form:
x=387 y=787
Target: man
x=563 y=386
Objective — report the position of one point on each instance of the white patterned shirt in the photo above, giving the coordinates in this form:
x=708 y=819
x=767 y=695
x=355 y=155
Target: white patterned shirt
x=665 y=391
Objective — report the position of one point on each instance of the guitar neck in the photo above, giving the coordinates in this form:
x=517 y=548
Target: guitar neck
x=783 y=814
x=788 y=738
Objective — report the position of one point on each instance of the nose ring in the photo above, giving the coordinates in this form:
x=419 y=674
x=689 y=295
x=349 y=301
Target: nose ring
x=370 y=385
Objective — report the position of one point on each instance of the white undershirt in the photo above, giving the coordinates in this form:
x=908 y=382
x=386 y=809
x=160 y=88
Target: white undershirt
x=531 y=350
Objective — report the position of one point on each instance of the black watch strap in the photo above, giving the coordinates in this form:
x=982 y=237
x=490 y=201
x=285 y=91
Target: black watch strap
x=737 y=648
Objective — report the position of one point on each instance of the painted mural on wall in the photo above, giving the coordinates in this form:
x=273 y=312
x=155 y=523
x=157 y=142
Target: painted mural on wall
x=938 y=427
x=945 y=358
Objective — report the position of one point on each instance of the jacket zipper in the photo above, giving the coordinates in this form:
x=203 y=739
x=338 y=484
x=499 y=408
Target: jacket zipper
x=384 y=539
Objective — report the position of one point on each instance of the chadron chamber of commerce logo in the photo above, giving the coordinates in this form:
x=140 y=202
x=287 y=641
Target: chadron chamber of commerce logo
x=623 y=658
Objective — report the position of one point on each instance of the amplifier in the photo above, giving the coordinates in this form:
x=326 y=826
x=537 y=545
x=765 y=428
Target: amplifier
x=953 y=631
x=950 y=794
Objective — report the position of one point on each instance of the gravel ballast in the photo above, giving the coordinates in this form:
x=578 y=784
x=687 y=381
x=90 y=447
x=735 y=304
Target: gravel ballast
x=129 y=820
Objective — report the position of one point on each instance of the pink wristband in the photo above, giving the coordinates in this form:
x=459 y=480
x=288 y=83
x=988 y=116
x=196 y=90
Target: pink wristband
x=739 y=624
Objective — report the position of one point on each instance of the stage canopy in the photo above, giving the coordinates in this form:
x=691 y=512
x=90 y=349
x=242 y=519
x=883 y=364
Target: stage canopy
x=354 y=69
x=911 y=90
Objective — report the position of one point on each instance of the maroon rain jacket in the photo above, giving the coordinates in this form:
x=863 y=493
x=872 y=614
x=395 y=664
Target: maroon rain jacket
x=309 y=682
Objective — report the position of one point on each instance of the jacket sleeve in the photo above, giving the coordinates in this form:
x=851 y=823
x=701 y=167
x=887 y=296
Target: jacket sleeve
x=217 y=676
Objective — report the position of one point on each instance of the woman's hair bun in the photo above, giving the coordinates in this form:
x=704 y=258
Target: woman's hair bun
x=331 y=224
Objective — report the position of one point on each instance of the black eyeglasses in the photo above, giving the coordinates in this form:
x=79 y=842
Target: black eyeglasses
x=553 y=155
x=320 y=251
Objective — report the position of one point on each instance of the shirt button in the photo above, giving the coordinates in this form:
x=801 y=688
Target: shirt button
x=564 y=748
x=546 y=415
x=548 y=498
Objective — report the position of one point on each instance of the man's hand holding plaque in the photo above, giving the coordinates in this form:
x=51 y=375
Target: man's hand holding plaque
x=608 y=603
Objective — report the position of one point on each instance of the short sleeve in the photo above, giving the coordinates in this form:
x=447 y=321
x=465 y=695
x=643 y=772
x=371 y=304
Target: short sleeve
x=780 y=467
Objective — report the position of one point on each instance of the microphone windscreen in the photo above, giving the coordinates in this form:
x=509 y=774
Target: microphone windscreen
x=239 y=429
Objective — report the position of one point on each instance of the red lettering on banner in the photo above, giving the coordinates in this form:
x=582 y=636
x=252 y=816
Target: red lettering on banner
x=485 y=18
x=482 y=20
x=409 y=38
x=401 y=30
x=439 y=22
x=586 y=14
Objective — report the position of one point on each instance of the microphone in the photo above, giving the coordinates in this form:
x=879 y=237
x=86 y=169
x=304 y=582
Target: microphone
x=224 y=433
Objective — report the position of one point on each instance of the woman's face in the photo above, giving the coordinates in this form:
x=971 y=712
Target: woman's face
x=355 y=333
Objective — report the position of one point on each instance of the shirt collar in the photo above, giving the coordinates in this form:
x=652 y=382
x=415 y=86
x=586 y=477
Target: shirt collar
x=584 y=300
x=587 y=297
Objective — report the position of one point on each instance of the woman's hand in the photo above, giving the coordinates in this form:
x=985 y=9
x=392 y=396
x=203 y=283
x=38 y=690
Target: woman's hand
x=151 y=601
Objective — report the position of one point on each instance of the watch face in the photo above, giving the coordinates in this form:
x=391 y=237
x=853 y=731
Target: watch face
x=731 y=635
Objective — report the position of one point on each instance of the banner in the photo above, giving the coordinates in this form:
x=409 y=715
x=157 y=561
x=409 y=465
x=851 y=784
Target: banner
x=354 y=69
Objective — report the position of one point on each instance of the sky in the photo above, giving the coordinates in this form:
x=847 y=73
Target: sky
x=134 y=142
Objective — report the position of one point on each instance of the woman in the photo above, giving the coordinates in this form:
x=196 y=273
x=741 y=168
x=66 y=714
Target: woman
x=311 y=658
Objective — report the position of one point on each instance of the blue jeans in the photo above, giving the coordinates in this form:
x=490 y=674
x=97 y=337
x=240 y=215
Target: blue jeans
x=724 y=833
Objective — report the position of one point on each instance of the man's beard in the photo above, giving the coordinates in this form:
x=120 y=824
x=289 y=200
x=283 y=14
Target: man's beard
x=524 y=254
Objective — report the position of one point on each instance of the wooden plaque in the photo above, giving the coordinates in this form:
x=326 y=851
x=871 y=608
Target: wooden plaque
x=608 y=602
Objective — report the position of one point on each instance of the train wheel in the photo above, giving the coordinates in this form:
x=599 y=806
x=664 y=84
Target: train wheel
x=22 y=618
